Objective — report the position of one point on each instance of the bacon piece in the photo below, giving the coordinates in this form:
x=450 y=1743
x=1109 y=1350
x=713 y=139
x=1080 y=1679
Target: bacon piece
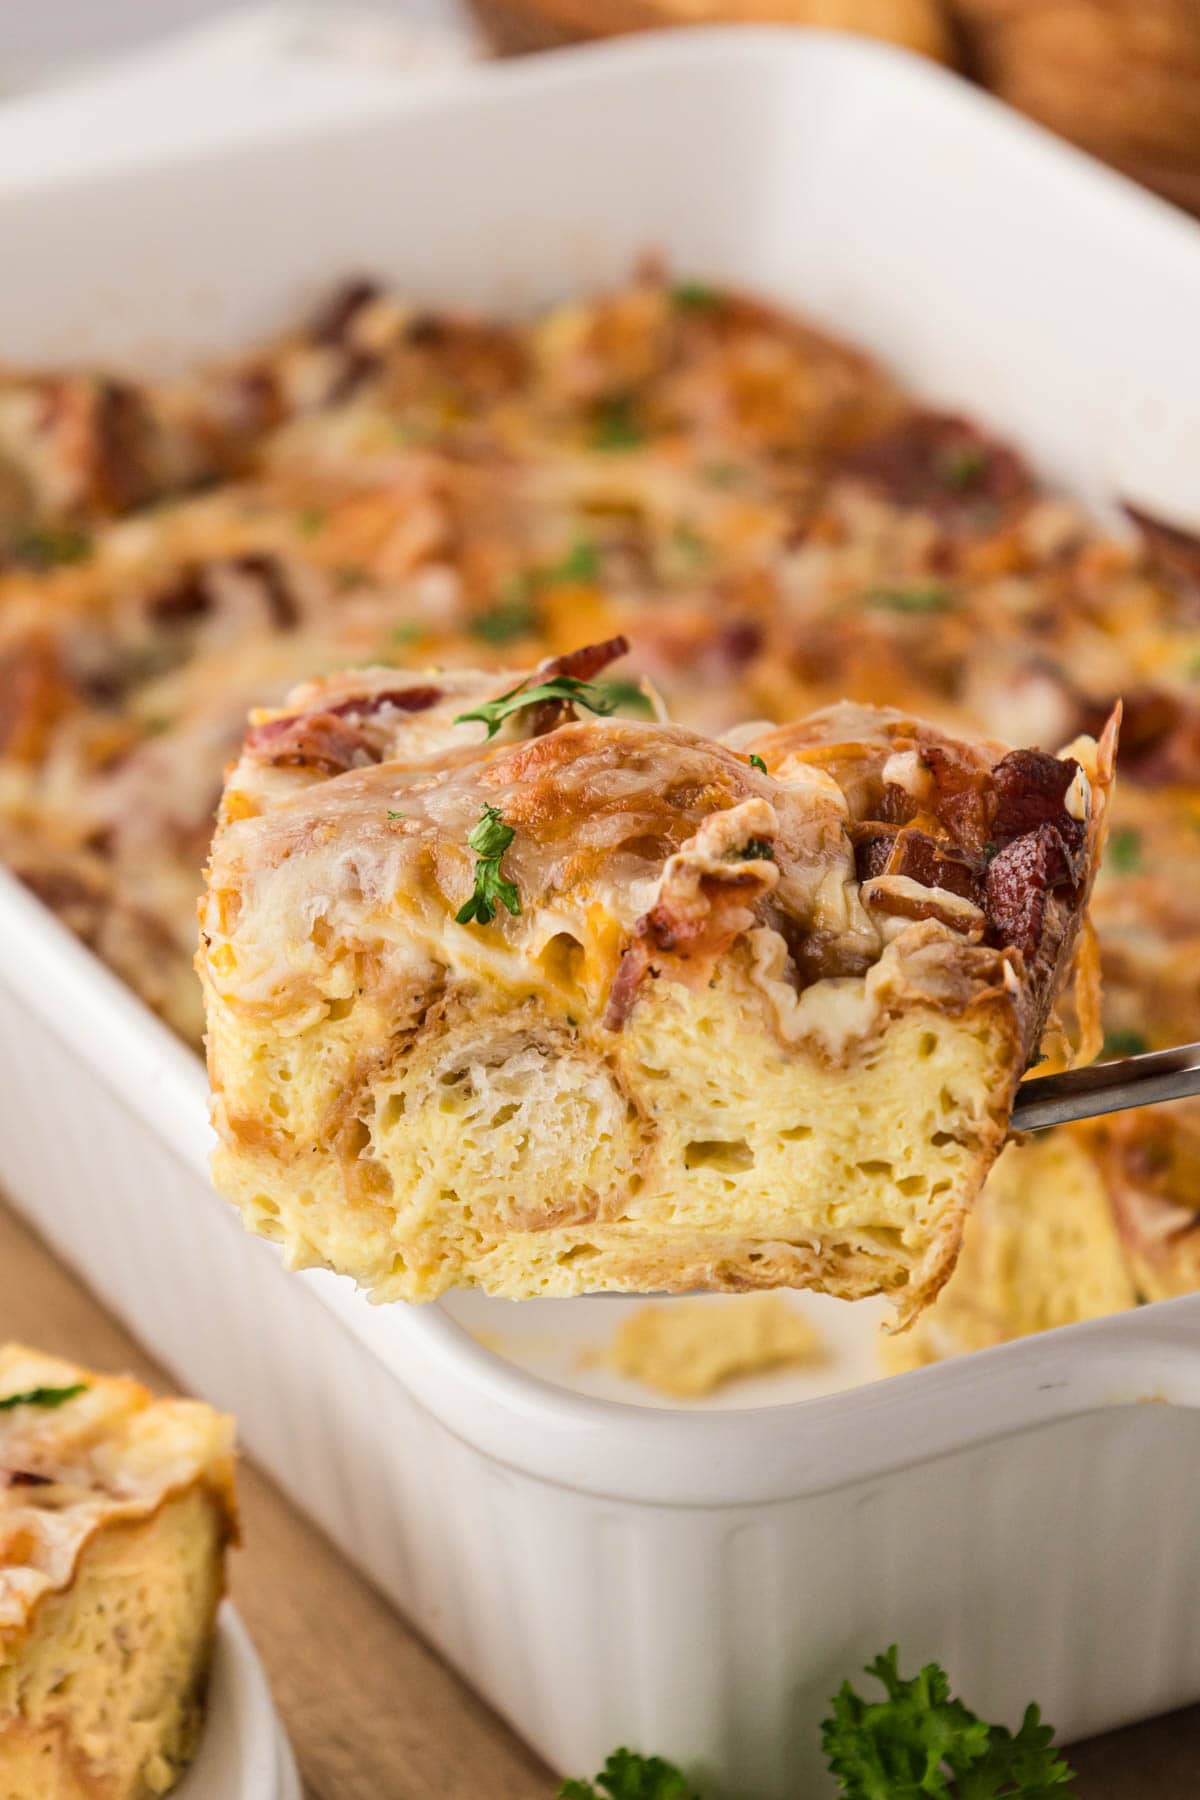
x=1030 y=788
x=1171 y=549
x=1020 y=879
x=919 y=857
x=123 y=432
x=579 y=665
x=332 y=321
x=943 y=464
x=312 y=741
x=271 y=575
x=364 y=706
x=961 y=800
x=706 y=900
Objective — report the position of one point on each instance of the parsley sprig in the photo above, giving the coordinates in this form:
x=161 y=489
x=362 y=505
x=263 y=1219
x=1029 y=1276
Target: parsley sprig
x=489 y=840
x=560 y=687
x=42 y=1396
x=918 y=1743
x=626 y=1776
x=921 y=1740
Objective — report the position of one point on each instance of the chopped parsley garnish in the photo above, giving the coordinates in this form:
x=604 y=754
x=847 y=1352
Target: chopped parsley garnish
x=963 y=468
x=515 y=614
x=42 y=1396
x=686 y=540
x=626 y=696
x=510 y=620
x=755 y=850
x=1125 y=850
x=489 y=840
x=921 y=1740
x=396 y=815
x=560 y=687
x=1123 y=1043
x=581 y=563
x=911 y=600
x=50 y=546
x=616 y=426
x=695 y=296
x=627 y=1776
x=311 y=520
x=756 y=762
x=408 y=633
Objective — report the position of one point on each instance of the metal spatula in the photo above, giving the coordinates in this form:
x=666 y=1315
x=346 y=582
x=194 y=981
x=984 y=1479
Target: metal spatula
x=1107 y=1087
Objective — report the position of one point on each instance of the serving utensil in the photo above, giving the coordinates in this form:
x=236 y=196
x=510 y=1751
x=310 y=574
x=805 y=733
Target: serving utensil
x=1107 y=1087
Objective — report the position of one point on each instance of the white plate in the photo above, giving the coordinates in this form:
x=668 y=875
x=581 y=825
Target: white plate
x=244 y=1753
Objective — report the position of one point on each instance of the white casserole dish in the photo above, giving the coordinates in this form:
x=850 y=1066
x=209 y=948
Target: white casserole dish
x=694 y=1583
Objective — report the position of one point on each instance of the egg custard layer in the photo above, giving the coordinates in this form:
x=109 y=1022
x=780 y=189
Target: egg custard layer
x=115 y=1510
x=503 y=991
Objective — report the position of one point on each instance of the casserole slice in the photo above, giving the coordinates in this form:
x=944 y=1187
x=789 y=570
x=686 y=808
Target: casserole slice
x=115 y=1510
x=504 y=991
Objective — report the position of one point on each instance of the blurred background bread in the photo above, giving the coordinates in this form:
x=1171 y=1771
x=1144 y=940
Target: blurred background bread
x=517 y=25
x=1121 y=78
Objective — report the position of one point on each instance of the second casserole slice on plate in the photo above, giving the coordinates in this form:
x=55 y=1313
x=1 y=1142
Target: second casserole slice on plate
x=503 y=991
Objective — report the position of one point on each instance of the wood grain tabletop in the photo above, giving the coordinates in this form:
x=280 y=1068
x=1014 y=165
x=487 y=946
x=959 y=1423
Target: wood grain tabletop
x=372 y=1712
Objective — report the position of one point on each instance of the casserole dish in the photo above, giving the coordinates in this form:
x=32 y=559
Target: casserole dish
x=694 y=1583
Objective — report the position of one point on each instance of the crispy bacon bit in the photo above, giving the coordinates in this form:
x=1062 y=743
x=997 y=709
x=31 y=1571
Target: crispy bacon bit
x=364 y=706
x=914 y=854
x=186 y=598
x=1171 y=549
x=705 y=901
x=271 y=575
x=960 y=799
x=943 y=464
x=583 y=664
x=312 y=741
x=1020 y=879
x=122 y=433
x=1031 y=790
x=332 y=321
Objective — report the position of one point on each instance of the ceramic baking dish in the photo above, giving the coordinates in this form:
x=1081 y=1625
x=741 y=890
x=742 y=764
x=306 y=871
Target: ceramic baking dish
x=692 y=1582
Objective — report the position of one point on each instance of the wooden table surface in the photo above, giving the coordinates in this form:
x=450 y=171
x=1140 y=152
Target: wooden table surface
x=374 y=1714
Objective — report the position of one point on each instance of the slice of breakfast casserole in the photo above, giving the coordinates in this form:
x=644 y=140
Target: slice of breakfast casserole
x=115 y=1510
x=505 y=991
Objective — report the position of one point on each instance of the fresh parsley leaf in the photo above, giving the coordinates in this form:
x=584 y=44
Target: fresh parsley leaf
x=408 y=633
x=50 y=546
x=627 y=1776
x=616 y=426
x=311 y=520
x=581 y=563
x=489 y=839
x=1123 y=1043
x=42 y=1396
x=1125 y=850
x=756 y=762
x=963 y=468
x=510 y=620
x=626 y=696
x=911 y=600
x=396 y=815
x=695 y=296
x=756 y=850
x=923 y=1742
x=560 y=687
x=1024 y=1766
